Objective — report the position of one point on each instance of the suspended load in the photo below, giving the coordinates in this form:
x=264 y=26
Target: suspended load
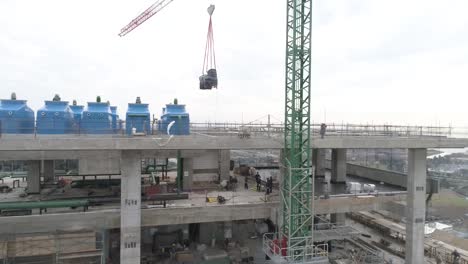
x=209 y=77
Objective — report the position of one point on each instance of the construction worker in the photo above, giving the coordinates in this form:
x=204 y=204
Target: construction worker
x=456 y=257
x=323 y=129
x=258 y=181
x=438 y=258
x=246 y=182
x=270 y=185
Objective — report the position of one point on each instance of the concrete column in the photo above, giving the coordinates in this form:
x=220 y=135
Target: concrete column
x=338 y=219
x=130 y=208
x=318 y=161
x=188 y=174
x=415 y=206
x=224 y=164
x=10 y=247
x=105 y=245
x=180 y=171
x=34 y=177
x=338 y=166
x=48 y=171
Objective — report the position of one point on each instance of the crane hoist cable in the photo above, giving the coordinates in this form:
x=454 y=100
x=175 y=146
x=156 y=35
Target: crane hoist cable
x=209 y=60
x=209 y=77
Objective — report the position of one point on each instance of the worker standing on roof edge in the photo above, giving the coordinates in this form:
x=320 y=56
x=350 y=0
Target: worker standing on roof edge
x=323 y=129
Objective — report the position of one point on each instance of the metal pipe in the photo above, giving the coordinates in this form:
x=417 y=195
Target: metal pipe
x=43 y=204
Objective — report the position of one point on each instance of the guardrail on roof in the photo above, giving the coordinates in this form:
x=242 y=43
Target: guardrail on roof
x=240 y=129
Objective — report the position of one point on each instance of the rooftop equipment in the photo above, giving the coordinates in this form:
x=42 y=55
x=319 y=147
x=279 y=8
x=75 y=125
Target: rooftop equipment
x=55 y=117
x=97 y=118
x=175 y=113
x=115 y=119
x=15 y=116
x=138 y=118
x=77 y=113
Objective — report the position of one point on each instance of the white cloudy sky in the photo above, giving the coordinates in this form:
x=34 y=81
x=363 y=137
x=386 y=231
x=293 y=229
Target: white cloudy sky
x=374 y=61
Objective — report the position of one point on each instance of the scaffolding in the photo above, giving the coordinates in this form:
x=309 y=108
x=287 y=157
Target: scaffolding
x=58 y=248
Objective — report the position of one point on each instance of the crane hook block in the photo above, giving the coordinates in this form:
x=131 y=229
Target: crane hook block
x=211 y=9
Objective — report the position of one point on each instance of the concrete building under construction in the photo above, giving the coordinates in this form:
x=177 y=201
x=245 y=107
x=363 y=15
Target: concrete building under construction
x=152 y=197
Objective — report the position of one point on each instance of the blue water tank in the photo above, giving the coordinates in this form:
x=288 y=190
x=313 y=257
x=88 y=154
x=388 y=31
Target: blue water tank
x=77 y=113
x=97 y=119
x=175 y=113
x=16 y=117
x=115 y=119
x=55 y=117
x=138 y=116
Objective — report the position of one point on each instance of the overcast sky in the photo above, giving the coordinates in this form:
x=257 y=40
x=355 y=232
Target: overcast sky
x=394 y=62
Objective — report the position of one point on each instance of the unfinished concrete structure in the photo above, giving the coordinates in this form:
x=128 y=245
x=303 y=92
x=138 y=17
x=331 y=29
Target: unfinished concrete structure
x=205 y=158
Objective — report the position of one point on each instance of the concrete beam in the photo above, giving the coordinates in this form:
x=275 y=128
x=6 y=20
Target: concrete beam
x=192 y=142
x=51 y=155
x=390 y=177
x=84 y=154
x=100 y=162
x=364 y=142
x=416 y=207
x=197 y=142
x=110 y=218
x=379 y=175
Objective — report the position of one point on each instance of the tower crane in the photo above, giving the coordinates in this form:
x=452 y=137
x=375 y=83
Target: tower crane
x=294 y=241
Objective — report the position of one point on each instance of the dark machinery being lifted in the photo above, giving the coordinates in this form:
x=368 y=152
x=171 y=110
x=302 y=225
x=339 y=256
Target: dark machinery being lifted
x=209 y=80
x=209 y=77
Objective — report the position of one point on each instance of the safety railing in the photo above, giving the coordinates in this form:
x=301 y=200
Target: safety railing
x=331 y=129
x=300 y=250
x=181 y=127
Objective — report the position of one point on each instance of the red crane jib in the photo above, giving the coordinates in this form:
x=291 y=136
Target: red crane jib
x=145 y=15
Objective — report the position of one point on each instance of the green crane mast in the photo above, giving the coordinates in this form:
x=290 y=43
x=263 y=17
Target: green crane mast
x=296 y=192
